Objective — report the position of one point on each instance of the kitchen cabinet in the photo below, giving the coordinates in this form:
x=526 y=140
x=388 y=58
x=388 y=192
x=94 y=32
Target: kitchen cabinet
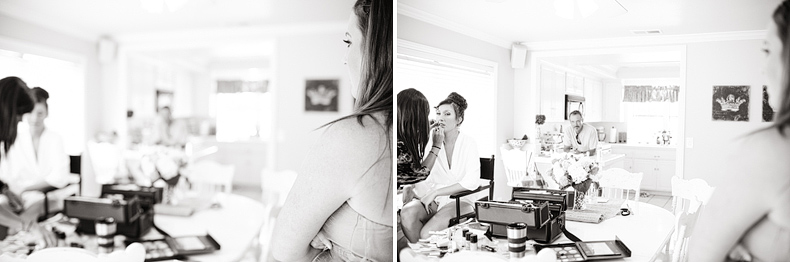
x=552 y=94
x=574 y=84
x=593 y=103
x=612 y=99
x=656 y=163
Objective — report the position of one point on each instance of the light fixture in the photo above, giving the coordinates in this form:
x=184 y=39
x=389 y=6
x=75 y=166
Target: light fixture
x=159 y=6
x=569 y=9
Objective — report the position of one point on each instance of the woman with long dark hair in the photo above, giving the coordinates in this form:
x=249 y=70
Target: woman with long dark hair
x=413 y=128
x=748 y=216
x=14 y=102
x=457 y=169
x=340 y=207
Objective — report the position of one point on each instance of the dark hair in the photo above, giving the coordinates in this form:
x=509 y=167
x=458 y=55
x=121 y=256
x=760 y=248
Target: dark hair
x=40 y=96
x=374 y=18
x=576 y=112
x=459 y=105
x=413 y=111
x=782 y=119
x=14 y=102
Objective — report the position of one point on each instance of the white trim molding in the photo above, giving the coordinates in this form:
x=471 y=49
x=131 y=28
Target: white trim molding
x=441 y=52
x=415 y=13
x=644 y=40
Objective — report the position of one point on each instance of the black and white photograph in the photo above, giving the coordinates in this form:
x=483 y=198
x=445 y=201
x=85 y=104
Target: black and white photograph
x=730 y=103
x=321 y=95
x=394 y=130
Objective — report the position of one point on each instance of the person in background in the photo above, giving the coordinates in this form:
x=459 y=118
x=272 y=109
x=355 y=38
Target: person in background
x=340 y=206
x=14 y=102
x=413 y=128
x=748 y=216
x=167 y=131
x=38 y=160
x=457 y=169
x=578 y=136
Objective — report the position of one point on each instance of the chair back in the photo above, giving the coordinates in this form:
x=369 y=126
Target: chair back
x=487 y=172
x=211 y=177
x=689 y=198
x=617 y=183
x=517 y=163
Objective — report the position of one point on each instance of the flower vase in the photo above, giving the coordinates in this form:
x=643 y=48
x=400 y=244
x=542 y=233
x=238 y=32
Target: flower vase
x=580 y=200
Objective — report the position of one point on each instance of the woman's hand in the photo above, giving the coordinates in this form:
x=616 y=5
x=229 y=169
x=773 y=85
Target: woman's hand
x=321 y=242
x=427 y=201
x=408 y=194
x=437 y=136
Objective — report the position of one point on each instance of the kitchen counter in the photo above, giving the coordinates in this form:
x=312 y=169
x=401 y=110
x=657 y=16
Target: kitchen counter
x=641 y=145
x=605 y=159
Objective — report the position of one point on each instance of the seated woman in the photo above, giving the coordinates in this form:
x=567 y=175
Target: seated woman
x=340 y=206
x=457 y=169
x=748 y=216
x=38 y=161
x=14 y=102
x=413 y=165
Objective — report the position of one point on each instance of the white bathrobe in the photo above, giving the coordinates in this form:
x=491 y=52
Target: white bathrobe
x=464 y=171
x=21 y=167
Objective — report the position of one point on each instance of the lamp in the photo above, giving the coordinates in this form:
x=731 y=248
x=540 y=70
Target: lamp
x=568 y=8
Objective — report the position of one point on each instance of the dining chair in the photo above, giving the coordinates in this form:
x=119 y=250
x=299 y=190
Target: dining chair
x=689 y=198
x=486 y=173
x=75 y=178
x=275 y=187
x=211 y=177
x=517 y=163
x=617 y=183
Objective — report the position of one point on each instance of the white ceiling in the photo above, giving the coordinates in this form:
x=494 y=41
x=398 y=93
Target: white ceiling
x=504 y=22
x=196 y=34
x=509 y=21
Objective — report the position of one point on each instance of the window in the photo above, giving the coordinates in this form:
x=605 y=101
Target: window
x=241 y=110
x=437 y=73
x=647 y=119
x=64 y=81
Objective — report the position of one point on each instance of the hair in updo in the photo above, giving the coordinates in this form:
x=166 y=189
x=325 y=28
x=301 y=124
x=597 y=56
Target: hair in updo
x=459 y=104
x=40 y=96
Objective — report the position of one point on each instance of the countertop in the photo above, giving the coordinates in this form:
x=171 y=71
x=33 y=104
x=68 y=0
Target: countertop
x=640 y=145
x=604 y=158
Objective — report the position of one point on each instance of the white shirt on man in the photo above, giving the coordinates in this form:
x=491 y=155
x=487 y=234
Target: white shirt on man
x=583 y=141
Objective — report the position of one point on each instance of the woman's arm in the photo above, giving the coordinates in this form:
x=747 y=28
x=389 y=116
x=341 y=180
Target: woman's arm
x=328 y=177
x=748 y=185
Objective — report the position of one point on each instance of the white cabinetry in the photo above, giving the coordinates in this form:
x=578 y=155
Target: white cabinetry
x=593 y=105
x=611 y=101
x=656 y=163
x=574 y=84
x=552 y=94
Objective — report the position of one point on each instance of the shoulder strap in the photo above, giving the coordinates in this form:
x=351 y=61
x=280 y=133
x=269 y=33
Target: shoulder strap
x=570 y=235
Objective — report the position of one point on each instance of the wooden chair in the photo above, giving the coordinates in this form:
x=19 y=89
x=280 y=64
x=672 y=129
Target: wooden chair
x=689 y=198
x=617 y=183
x=487 y=173
x=212 y=177
x=516 y=162
x=75 y=169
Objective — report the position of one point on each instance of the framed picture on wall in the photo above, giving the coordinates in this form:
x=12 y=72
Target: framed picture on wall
x=321 y=95
x=730 y=103
x=164 y=98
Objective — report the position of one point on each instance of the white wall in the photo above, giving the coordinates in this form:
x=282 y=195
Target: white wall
x=299 y=58
x=42 y=41
x=719 y=63
x=427 y=34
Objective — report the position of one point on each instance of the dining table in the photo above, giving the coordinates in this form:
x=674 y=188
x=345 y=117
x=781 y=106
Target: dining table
x=643 y=232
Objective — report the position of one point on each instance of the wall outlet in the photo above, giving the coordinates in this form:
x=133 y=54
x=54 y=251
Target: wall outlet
x=689 y=142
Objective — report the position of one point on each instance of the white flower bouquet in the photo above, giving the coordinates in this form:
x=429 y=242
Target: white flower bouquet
x=574 y=170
